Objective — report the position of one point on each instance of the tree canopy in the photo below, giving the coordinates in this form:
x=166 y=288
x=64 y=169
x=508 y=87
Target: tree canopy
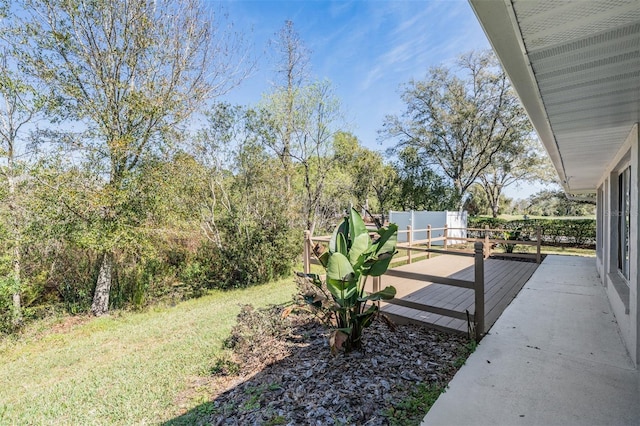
x=126 y=73
x=460 y=118
x=142 y=185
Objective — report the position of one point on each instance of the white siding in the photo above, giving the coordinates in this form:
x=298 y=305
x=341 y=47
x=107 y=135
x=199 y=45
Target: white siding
x=623 y=294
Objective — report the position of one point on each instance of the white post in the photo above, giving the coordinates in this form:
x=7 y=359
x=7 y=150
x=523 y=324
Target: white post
x=410 y=240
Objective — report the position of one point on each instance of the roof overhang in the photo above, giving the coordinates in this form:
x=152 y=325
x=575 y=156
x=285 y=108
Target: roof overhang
x=576 y=68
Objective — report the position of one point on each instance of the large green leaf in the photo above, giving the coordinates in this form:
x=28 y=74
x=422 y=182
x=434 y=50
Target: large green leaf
x=341 y=245
x=378 y=266
x=387 y=293
x=342 y=291
x=366 y=317
x=339 y=268
x=324 y=259
x=342 y=228
x=358 y=246
x=356 y=225
x=388 y=239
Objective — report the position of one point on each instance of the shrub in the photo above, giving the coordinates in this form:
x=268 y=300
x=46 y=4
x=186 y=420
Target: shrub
x=553 y=231
x=252 y=252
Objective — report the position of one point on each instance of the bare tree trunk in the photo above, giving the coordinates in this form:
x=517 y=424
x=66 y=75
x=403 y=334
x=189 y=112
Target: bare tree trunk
x=100 y=305
x=17 y=248
x=493 y=194
x=460 y=193
x=17 y=300
x=495 y=208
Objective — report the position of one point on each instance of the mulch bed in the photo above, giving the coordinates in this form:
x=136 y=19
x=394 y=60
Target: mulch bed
x=286 y=373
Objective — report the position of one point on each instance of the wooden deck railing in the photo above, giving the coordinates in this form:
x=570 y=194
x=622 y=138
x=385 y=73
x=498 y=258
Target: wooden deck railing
x=448 y=239
x=477 y=318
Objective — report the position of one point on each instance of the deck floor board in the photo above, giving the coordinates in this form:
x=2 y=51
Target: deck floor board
x=503 y=280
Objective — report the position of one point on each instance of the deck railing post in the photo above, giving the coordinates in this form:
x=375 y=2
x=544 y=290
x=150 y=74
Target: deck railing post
x=410 y=241
x=307 y=252
x=376 y=287
x=479 y=290
x=487 y=246
x=428 y=241
x=445 y=235
x=538 y=243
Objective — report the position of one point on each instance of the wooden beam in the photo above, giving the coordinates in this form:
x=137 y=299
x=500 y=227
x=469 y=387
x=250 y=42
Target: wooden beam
x=429 y=278
x=428 y=308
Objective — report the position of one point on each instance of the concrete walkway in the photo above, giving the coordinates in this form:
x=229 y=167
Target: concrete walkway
x=554 y=357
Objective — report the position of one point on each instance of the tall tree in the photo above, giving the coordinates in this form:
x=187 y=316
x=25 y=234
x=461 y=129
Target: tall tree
x=364 y=165
x=476 y=202
x=19 y=106
x=460 y=118
x=420 y=187
x=370 y=175
x=292 y=74
x=244 y=203
x=312 y=147
x=301 y=117
x=519 y=162
x=124 y=72
x=385 y=188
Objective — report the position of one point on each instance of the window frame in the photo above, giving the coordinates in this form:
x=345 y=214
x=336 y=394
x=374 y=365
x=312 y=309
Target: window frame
x=623 y=227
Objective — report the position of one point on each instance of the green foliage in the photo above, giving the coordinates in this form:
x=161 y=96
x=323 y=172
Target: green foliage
x=521 y=161
x=421 y=188
x=555 y=203
x=364 y=166
x=451 y=118
x=224 y=367
x=125 y=87
x=481 y=222
x=476 y=202
x=412 y=410
x=6 y=292
x=253 y=251
x=351 y=258
x=254 y=237
x=510 y=236
x=554 y=231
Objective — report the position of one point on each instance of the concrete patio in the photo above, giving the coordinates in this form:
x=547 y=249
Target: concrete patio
x=554 y=357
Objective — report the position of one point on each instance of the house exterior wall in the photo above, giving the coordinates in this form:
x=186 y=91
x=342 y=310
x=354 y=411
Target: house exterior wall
x=624 y=295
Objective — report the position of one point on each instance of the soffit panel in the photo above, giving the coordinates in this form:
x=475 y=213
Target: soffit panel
x=585 y=58
x=549 y=22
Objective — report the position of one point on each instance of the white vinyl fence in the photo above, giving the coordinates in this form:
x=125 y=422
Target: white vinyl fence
x=420 y=220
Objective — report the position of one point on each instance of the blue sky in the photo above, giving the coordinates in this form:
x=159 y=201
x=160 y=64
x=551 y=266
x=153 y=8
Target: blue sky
x=367 y=49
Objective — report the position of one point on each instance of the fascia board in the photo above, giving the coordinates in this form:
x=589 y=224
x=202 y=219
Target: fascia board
x=501 y=28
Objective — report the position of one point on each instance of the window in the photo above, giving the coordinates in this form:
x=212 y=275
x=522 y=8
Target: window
x=624 y=220
x=599 y=222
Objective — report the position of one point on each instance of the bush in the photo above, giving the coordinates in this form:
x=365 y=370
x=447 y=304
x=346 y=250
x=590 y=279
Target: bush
x=251 y=251
x=6 y=326
x=578 y=232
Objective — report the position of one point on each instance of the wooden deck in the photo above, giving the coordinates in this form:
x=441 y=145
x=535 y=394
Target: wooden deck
x=503 y=280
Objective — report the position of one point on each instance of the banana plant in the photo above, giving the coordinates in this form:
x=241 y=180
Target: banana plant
x=352 y=257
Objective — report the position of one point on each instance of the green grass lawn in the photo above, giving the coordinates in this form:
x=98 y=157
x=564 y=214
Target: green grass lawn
x=573 y=251
x=521 y=217
x=522 y=248
x=133 y=368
